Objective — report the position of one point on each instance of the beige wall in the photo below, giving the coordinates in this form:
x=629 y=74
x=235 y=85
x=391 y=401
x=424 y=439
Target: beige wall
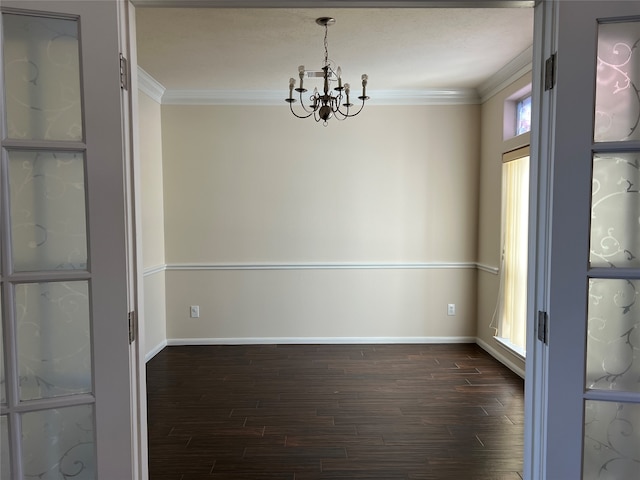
x=321 y=305
x=152 y=209
x=283 y=229
x=246 y=187
x=493 y=146
x=252 y=185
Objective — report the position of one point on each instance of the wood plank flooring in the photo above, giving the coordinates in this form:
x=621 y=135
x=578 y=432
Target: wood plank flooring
x=312 y=412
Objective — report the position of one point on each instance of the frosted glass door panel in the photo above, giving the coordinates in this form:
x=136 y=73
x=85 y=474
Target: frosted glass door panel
x=42 y=78
x=3 y=375
x=617 y=82
x=611 y=441
x=53 y=337
x=58 y=444
x=613 y=338
x=64 y=268
x=4 y=448
x=615 y=210
x=48 y=217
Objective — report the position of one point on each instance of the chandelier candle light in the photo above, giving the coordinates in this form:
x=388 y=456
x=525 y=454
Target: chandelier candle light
x=325 y=105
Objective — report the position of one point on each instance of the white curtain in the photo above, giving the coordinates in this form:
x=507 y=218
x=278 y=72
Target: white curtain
x=515 y=221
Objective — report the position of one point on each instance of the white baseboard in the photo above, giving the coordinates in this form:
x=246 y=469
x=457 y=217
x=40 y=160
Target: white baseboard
x=155 y=350
x=500 y=357
x=315 y=340
x=334 y=340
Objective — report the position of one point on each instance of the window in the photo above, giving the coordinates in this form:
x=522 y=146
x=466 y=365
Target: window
x=516 y=115
x=523 y=116
x=512 y=305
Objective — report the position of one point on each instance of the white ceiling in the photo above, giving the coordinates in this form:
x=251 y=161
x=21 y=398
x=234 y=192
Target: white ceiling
x=259 y=49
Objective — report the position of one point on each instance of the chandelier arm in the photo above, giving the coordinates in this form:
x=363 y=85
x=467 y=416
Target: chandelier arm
x=339 y=114
x=312 y=108
x=348 y=115
x=305 y=108
x=296 y=115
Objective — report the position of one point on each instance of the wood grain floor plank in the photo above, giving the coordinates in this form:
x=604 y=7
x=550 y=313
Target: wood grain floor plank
x=322 y=412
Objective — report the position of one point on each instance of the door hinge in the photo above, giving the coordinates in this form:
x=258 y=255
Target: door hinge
x=133 y=326
x=550 y=72
x=124 y=73
x=543 y=327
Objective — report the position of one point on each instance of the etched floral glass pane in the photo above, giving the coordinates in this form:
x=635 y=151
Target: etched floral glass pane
x=53 y=338
x=48 y=218
x=5 y=471
x=615 y=210
x=611 y=441
x=613 y=338
x=58 y=444
x=618 y=82
x=42 y=78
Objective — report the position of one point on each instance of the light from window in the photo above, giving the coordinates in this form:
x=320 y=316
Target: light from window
x=515 y=225
x=523 y=116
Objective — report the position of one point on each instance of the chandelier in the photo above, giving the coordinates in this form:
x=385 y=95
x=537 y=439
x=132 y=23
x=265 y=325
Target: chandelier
x=329 y=103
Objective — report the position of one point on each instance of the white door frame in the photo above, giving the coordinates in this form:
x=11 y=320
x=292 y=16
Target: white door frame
x=535 y=392
x=539 y=215
x=131 y=147
x=546 y=31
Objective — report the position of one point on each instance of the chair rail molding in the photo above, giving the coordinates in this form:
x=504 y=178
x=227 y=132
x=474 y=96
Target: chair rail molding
x=320 y=266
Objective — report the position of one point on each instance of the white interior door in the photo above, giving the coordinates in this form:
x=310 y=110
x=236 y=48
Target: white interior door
x=593 y=282
x=65 y=376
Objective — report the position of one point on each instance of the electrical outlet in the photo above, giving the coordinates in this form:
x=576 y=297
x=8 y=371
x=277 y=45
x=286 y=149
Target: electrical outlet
x=451 y=309
x=195 y=311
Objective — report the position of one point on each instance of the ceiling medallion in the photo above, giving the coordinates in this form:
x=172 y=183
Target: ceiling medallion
x=325 y=105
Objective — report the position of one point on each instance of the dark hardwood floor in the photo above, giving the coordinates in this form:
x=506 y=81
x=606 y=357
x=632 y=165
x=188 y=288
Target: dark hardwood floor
x=310 y=412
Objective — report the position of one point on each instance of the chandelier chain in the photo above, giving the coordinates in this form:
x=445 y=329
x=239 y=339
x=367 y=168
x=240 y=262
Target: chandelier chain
x=326 y=45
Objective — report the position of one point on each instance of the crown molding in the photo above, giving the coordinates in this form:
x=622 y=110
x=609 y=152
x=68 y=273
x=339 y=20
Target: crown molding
x=461 y=96
x=452 y=96
x=506 y=75
x=429 y=96
x=336 y=3
x=150 y=86
x=223 y=97
x=276 y=98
